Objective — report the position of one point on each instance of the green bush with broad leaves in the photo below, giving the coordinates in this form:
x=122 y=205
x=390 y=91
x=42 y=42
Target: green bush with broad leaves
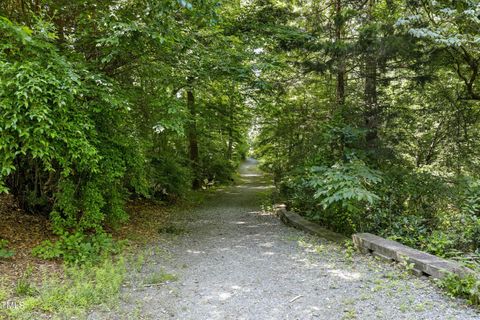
x=467 y=287
x=58 y=153
x=78 y=248
x=339 y=196
x=81 y=133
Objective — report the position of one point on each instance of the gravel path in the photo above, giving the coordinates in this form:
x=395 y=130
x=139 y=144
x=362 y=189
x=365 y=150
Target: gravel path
x=237 y=262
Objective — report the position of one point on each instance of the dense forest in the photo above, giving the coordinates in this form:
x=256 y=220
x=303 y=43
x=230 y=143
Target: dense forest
x=366 y=113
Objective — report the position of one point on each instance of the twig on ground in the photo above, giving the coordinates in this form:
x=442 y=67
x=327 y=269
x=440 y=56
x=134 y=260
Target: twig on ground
x=296 y=298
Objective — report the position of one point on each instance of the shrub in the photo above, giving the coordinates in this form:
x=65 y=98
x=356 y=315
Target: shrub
x=471 y=197
x=410 y=230
x=340 y=196
x=78 y=248
x=66 y=146
x=465 y=287
x=169 y=177
x=4 y=251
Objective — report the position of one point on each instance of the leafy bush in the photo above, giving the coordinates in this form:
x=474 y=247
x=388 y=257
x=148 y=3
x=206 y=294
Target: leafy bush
x=217 y=168
x=4 y=251
x=344 y=190
x=339 y=196
x=439 y=243
x=65 y=145
x=471 y=197
x=299 y=194
x=467 y=222
x=345 y=185
x=465 y=287
x=78 y=248
x=169 y=177
x=43 y=110
x=410 y=230
x=415 y=209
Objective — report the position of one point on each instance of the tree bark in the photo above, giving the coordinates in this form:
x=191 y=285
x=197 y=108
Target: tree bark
x=371 y=113
x=230 y=124
x=230 y=137
x=340 y=85
x=193 y=138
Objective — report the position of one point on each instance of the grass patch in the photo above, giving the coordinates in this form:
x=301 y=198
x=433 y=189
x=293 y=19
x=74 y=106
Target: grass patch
x=24 y=286
x=3 y=293
x=171 y=229
x=83 y=287
x=159 y=277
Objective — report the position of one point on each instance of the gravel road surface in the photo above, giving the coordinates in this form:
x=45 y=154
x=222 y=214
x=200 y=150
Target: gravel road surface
x=235 y=261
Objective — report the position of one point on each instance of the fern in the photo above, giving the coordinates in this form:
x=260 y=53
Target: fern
x=345 y=183
x=345 y=192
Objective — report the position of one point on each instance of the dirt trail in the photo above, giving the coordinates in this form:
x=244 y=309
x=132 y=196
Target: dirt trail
x=237 y=262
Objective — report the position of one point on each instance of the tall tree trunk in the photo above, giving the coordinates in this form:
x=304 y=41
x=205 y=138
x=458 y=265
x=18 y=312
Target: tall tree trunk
x=371 y=113
x=230 y=135
x=340 y=86
x=192 y=138
x=230 y=124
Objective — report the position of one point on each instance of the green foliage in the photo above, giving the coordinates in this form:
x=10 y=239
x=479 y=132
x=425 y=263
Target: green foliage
x=357 y=111
x=44 y=116
x=170 y=178
x=94 y=109
x=82 y=288
x=345 y=185
x=471 y=198
x=344 y=192
x=50 y=123
x=159 y=277
x=217 y=169
x=467 y=287
x=78 y=248
x=439 y=243
x=349 y=250
x=4 y=251
x=24 y=286
x=120 y=100
x=408 y=229
x=338 y=196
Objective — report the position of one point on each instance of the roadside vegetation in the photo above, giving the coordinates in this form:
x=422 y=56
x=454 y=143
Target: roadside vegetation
x=366 y=113
x=35 y=288
x=374 y=123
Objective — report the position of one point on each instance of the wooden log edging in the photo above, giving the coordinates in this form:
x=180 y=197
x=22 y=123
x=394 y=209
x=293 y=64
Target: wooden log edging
x=388 y=250
x=297 y=221
x=424 y=263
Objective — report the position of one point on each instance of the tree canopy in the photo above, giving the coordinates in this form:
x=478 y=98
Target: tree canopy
x=366 y=113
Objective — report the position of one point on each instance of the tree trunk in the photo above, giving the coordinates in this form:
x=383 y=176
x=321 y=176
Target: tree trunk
x=230 y=129
x=340 y=86
x=371 y=113
x=230 y=139
x=193 y=139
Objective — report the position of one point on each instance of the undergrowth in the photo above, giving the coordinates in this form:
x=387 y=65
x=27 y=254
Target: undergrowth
x=464 y=287
x=82 y=288
x=5 y=252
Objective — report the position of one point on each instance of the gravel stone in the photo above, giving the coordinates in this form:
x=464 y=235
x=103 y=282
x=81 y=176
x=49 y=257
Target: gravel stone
x=238 y=262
